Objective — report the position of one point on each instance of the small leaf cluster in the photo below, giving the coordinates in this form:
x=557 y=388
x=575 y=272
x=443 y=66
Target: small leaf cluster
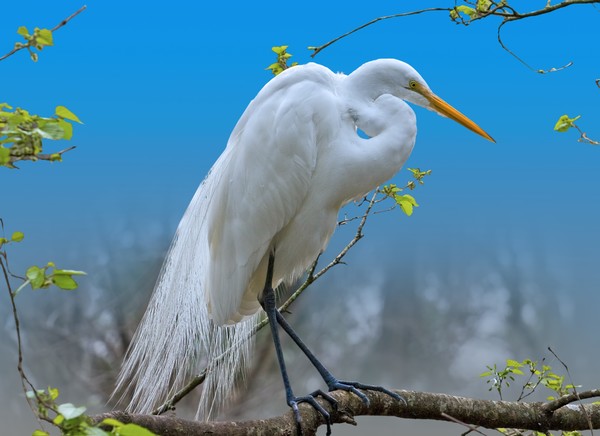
x=41 y=38
x=565 y=122
x=22 y=133
x=538 y=374
x=72 y=421
x=462 y=14
x=42 y=278
x=406 y=201
x=498 y=378
x=16 y=237
x=418 y=175
x=282 y=59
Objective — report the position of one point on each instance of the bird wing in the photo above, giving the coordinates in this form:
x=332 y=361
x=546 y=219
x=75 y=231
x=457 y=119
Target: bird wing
x=271 y=157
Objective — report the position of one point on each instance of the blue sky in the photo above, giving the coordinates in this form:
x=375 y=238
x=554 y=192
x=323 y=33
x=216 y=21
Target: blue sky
x=160 y=88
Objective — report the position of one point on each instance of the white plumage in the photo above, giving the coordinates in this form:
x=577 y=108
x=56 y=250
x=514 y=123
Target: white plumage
x=292 y=161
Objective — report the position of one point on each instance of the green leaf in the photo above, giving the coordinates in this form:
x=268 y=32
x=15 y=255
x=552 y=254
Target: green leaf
x=95 y=431
x=44 y=37
x=58 y=420
x=23 y=31
x=410 y=199
x=406 y=207
x=36 y=276
x=564 y=123
x=514 y=363
x=467 y=10
x=134 y=430
x=279 y=49
x=65 y=282
x=65 y=113
x=40 y=433
x=67 y=129
x=70 y=272
x=4 y=155
x=483 y=5
x=69 y=411
x=53 y=393
x=17 y=237
x=112 y=422
x=51 y=130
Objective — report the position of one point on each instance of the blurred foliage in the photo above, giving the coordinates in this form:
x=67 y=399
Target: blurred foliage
x=72 y=421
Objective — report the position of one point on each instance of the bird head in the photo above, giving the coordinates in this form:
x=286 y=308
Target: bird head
x=419 y=93
x=416 y=90
x=391 y=76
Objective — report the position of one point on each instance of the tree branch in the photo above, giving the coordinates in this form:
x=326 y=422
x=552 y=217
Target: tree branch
x=58 y=26
x=504 y=11
x=420 y=405
x=41 y=156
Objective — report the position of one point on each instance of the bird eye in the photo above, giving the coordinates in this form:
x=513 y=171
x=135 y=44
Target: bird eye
x=412 y=84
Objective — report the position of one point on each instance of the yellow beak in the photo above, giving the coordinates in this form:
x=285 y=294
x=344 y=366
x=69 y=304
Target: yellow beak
x=444 y=109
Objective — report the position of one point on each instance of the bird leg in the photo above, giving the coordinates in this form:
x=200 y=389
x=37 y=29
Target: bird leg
x=267 y=301
x=332 y=382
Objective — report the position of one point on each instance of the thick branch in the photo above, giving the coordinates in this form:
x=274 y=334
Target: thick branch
x=420 y=405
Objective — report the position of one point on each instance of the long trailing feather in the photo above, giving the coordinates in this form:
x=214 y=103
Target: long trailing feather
x=176 y=336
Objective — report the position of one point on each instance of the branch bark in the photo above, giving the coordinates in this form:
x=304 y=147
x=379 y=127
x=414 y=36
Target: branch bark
x=420 y=405
x=497 y=9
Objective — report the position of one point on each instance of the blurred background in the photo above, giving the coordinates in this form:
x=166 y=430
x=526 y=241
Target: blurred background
x=499 y=261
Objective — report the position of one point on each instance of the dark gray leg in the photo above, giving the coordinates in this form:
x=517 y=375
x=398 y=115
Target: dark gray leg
x=267 y=301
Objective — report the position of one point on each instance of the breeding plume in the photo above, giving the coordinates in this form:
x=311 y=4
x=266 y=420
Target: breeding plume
x=267 y=208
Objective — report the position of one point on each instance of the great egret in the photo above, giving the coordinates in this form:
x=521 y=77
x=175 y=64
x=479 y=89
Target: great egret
x=267 y=208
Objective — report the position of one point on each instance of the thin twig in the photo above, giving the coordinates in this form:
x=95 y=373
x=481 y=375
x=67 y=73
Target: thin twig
x=317 y=50
x=532 y=389
x=41 y=156
x=575 y=393
x=457 y=421
x=58 y=26
x=584 y=137
x=24 y=379
x=507 y=13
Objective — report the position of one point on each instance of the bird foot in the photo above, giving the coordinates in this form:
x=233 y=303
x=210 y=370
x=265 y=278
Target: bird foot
x=352 y=386
x=312 y=400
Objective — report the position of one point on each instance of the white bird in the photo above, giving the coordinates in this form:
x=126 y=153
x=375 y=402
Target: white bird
x=266 y=209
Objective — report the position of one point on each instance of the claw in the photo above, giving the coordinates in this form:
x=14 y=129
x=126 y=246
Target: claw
x=354 y=386
x=310 y=399
x=326 y=397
